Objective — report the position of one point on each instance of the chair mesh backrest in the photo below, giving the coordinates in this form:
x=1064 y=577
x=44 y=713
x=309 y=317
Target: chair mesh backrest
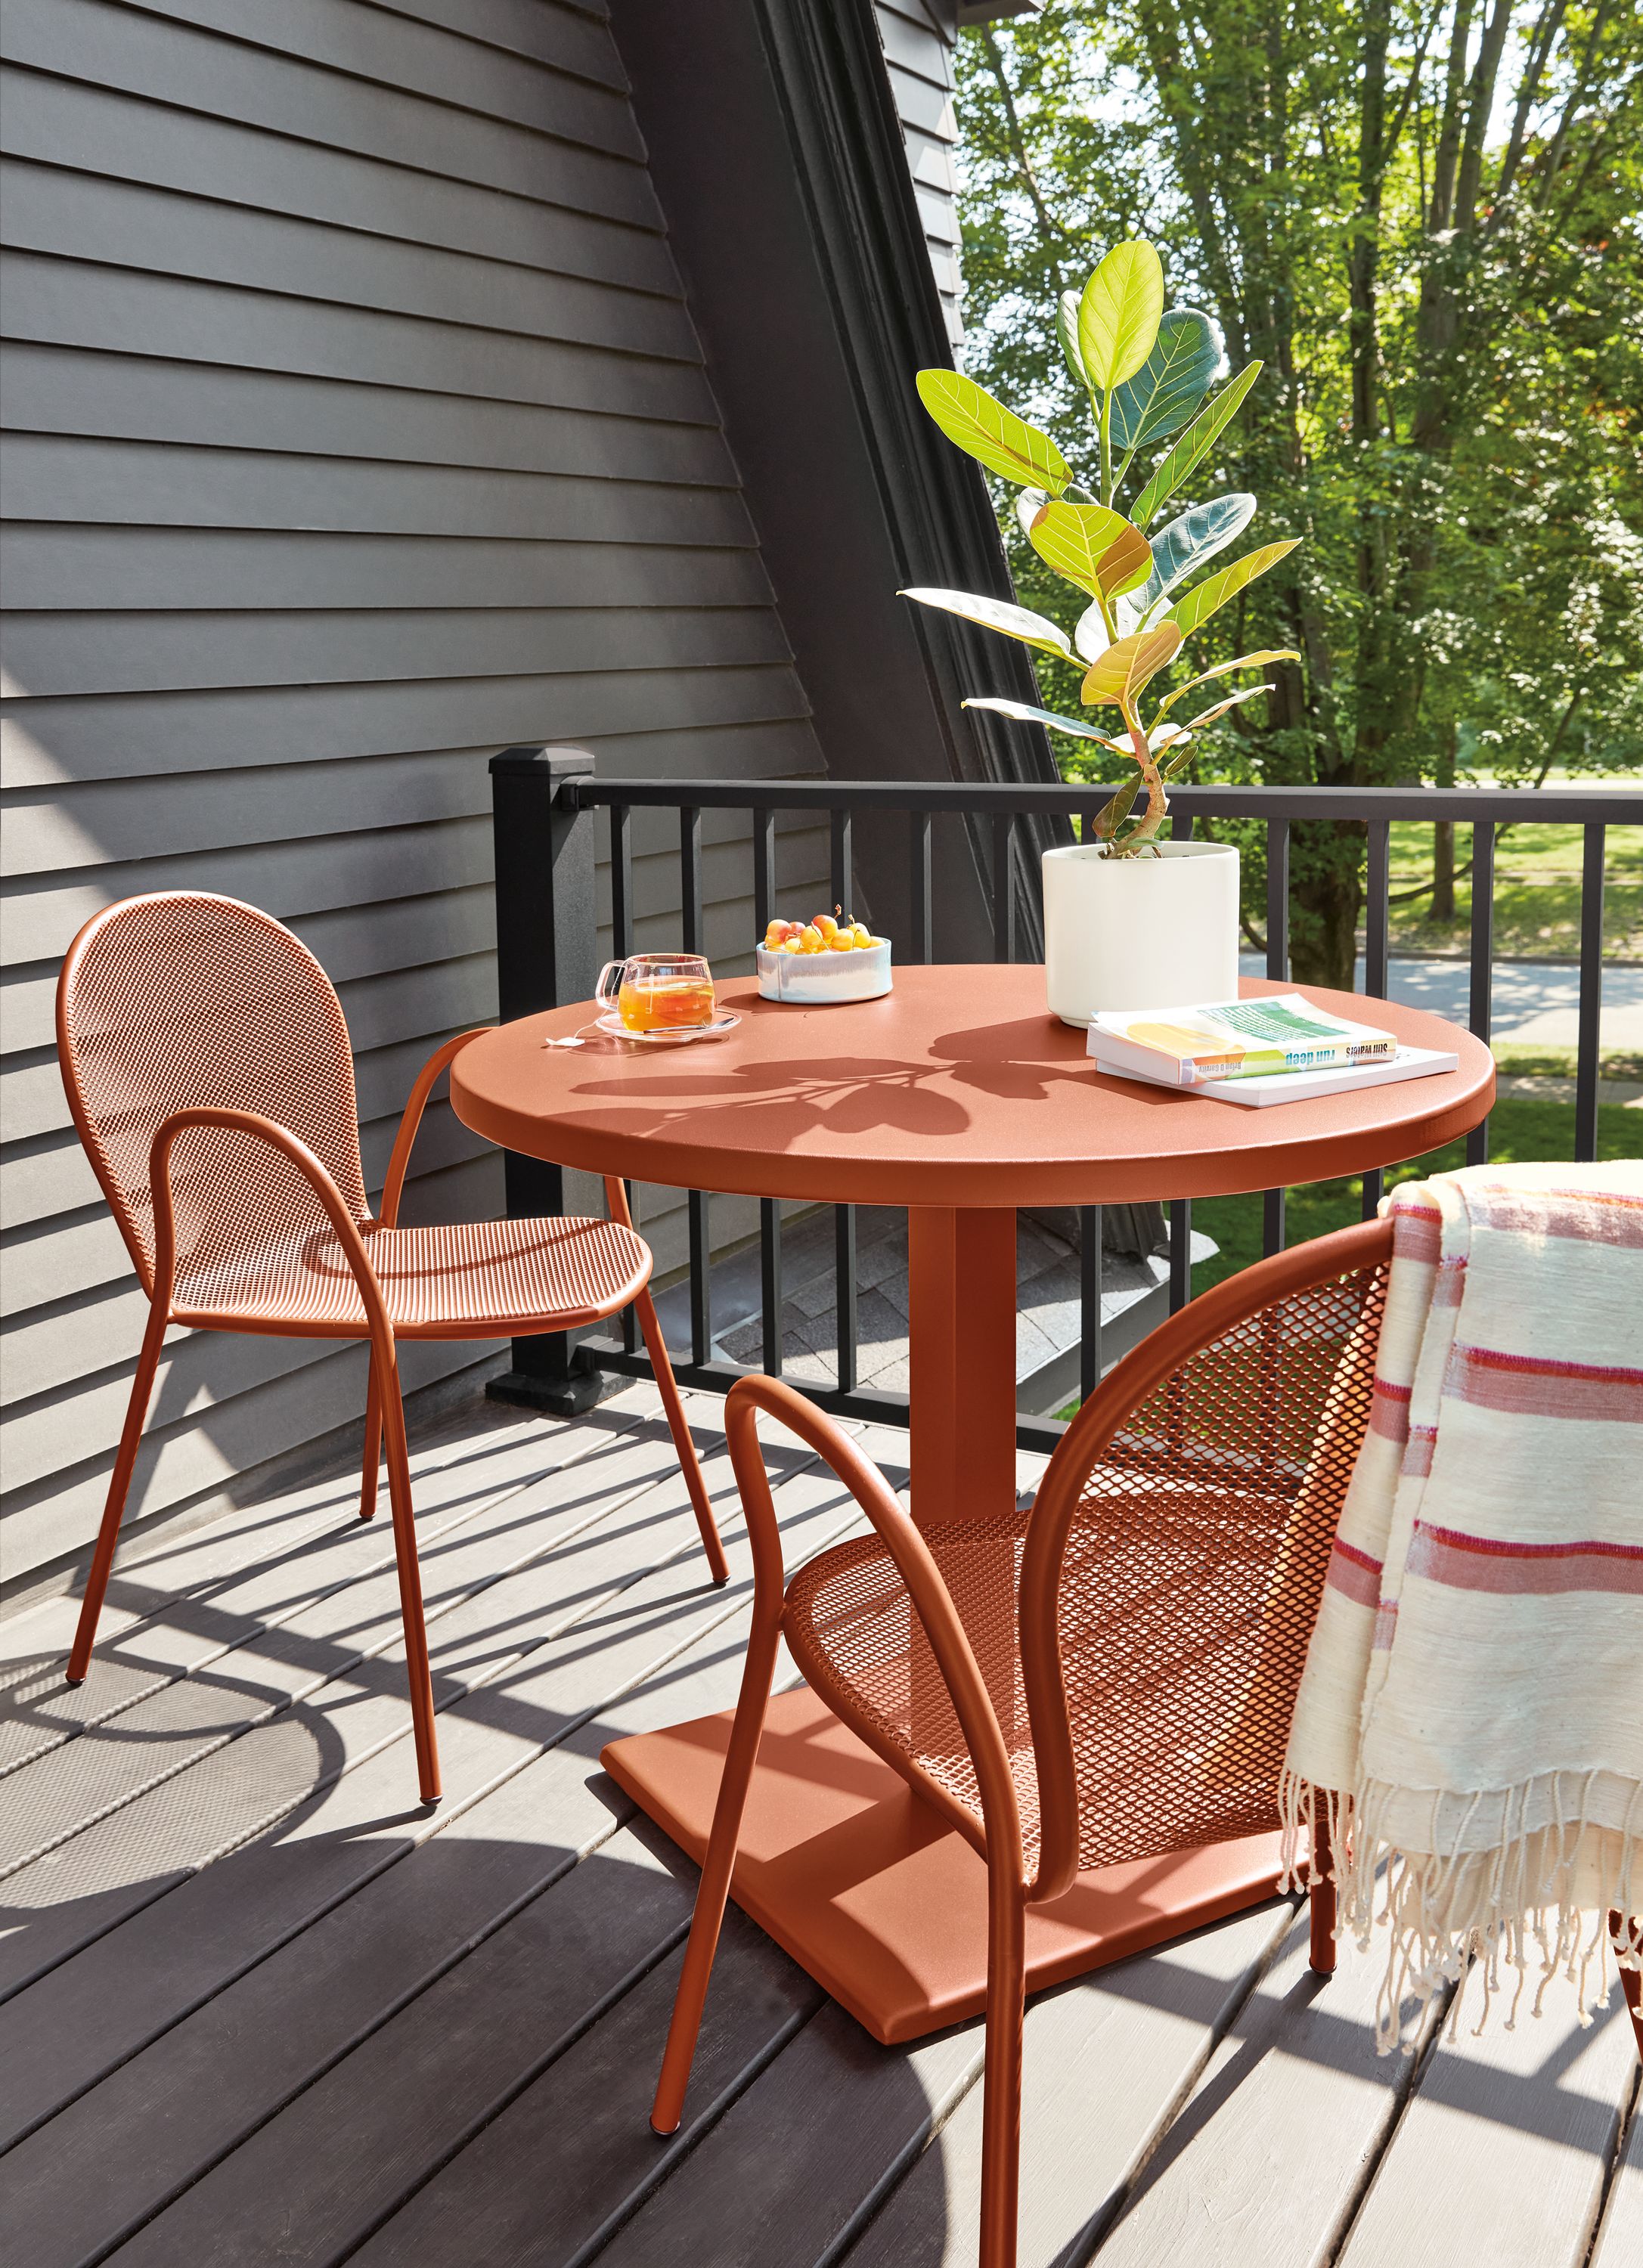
x=184 y=1001
x=1194 y=1568
x=1190 y=1584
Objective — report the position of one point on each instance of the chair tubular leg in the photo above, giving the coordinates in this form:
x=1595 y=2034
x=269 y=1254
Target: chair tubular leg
x=1321 y=1903
x=1630 y=1979
x=372 y=1466
x=690 y=1464
x=416 y=1670
x=714 y=1889
x=119 y=1486
x=1001 y=2100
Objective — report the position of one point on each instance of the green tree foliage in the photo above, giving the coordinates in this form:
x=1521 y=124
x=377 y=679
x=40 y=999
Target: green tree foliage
x=1424 y=221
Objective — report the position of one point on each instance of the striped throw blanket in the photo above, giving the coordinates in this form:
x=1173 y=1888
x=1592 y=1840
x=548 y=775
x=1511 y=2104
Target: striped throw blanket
x=1470 y=1722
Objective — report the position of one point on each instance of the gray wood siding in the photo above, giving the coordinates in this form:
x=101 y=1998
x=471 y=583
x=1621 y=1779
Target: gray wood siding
x=918 y=38
x=356 y=427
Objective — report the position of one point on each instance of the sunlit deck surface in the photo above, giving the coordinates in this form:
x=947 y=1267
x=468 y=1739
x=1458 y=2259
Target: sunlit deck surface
x=263 y=2009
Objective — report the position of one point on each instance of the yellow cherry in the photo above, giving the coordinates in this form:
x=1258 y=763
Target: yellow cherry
x=825 y=924
x=841 y=942
x=789 y=945
x=811 y=940
x=862 y=934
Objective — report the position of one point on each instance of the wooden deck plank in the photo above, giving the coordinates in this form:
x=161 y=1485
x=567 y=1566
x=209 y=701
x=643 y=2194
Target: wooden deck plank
x=1503 y=2150
x=1107 y=2059
x=1620 y=2239
x=243 y=1787
x=781 y=2174
x=355 y=2144
x=517 y=2195
x=176 y=2111
x=148 y=1643
x=326 y=1641
x=1267 y=2158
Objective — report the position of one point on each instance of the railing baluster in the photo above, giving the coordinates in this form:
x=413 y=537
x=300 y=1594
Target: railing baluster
x=701 y=1282
x=763 y=871
x=1587 y=1062
x=1377 y=947
x=921 y=946
x=1089 y=1300
x=1180 y=1253
x=844 y=1286
x=690 y=876
x=1483 y=958
x=843 y=865
x=1003 y=886
x=1180 y=826
x=621 y=880
x=1272 y=1232
x=770 y=1282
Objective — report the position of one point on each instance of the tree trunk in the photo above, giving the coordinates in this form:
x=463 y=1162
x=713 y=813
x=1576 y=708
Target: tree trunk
x=1325 y=900
x=1443 y=871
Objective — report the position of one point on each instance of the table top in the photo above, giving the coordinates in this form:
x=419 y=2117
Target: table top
x=958 y=1088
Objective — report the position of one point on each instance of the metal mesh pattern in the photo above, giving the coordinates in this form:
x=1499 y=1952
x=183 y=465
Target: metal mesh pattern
x=1188 y=1592
x=185 y=1001
x=479 y=1276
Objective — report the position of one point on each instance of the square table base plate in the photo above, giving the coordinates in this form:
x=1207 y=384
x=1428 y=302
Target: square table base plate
x=877 y=1898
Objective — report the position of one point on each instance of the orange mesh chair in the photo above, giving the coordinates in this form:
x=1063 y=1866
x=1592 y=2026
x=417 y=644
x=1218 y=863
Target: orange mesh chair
x=208 y=1067
x=1109 y=1677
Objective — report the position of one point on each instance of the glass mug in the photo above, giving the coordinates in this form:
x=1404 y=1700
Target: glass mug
x=658 y=991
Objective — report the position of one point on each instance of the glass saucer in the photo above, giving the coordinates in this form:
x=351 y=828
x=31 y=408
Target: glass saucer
x=668 y=1035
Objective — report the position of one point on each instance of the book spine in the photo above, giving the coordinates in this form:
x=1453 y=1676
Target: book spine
x=1271 y=1062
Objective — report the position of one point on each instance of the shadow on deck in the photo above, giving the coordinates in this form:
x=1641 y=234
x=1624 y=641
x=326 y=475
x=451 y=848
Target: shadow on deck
x=263 y=2007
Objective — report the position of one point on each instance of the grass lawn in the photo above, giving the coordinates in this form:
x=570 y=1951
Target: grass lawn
x=1519 y=1128
x=1536 y=897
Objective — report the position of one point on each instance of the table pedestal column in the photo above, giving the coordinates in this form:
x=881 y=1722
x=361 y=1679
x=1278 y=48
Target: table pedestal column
x=961 y=1299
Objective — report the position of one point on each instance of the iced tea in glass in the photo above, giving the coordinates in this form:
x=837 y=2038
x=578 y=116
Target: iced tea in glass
x=659 y=992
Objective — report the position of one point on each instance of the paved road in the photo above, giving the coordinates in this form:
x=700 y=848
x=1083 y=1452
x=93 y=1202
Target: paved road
x=1534 y=1003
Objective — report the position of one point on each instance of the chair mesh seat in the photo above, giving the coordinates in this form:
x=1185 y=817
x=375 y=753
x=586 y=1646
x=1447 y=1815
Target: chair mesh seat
x=1189 y=1589
x=475 y=1275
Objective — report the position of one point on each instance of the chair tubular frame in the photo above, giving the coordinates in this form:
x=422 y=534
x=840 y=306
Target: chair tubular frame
x=1012 y=1889
x=384 y=1414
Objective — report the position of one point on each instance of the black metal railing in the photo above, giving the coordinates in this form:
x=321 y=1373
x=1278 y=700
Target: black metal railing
x=548 y=841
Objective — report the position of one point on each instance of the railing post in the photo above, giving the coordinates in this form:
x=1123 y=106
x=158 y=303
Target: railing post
x=547 y=955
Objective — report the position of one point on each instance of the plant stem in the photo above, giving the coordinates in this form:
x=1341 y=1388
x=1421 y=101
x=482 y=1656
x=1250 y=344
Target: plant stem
x=1157 y=800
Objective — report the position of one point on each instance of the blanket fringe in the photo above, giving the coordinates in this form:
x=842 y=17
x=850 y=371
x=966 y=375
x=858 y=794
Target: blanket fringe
x=1529 y=1897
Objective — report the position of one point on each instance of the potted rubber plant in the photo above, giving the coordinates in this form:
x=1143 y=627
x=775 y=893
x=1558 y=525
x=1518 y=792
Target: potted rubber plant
x=1131 y=920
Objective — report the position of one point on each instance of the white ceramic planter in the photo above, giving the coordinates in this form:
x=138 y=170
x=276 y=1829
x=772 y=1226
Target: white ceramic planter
x=1140 y=932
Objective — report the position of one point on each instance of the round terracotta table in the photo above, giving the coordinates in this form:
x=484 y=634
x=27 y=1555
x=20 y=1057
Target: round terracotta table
x=959 y=1097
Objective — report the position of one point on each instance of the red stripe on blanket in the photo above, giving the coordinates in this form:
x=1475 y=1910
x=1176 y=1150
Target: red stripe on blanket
x=1389 y=1411
x=1484 y=1563
x=1533 y=1386
x=1451 y=1282
x=1354 y=1574
x=1417 y=1234
x=1592 y=1216
x=1423 y=1440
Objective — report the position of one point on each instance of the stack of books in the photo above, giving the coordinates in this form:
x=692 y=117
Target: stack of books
x=1276 y=1049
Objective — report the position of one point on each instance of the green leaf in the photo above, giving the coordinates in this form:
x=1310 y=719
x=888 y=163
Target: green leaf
x=1208 y=715
x=1002 y=441
x=1093 y=546
x=1194 y=444
x=1207 y=597
x=1187 y=356
x=1067 y=330
x=1089 y=633
x=1119 y=313
x=1130 y=665
x=998 y=614
x=1117 y=809
x=1025 y=713
x=1225 y=669
x=1191 y=541
x=1182 y=758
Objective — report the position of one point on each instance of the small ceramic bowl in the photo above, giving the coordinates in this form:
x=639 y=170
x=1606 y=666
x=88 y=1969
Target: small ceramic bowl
x=823 y=980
